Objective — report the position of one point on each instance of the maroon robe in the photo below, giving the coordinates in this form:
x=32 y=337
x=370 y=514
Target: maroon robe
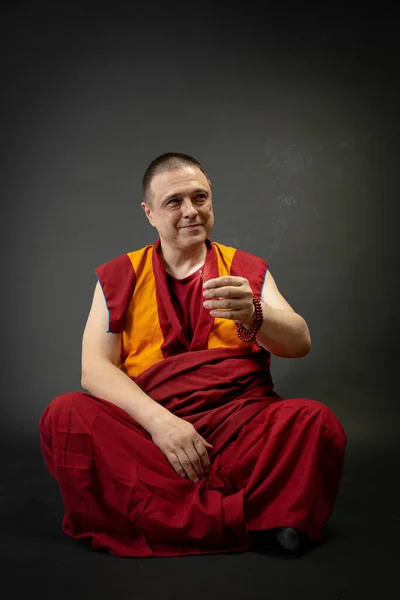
x=274 y=462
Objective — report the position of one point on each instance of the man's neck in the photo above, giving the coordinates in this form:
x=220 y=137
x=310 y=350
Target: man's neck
x=181 y=264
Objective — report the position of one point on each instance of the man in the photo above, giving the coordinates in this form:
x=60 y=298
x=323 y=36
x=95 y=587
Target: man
x=181 y=445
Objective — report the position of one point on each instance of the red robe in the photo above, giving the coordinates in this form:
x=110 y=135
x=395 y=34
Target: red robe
x=274 y=462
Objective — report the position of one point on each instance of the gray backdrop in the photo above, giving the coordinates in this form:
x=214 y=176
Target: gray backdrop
x=296 y=121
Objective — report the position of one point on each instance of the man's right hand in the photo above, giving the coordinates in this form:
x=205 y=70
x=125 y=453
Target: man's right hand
x=184 y=448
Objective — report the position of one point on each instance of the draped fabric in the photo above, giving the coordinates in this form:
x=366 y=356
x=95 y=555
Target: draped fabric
x=274 y=462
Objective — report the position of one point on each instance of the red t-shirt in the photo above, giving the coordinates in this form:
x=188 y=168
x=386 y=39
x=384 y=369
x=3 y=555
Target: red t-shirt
x=187 y=297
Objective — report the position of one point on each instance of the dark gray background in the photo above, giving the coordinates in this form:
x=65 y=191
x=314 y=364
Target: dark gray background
x=295 y=117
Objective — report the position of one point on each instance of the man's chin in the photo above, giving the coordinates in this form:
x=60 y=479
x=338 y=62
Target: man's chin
x=193 y=232
x=192 y=238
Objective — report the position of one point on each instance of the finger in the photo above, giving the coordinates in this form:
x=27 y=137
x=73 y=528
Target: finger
x=223 y=281
x=202 y=452
x=195 y=459
x=206 y=443
x=233 y=315
x=187 y=465
x=228 y=291
x=227 y=303
x=175 y=464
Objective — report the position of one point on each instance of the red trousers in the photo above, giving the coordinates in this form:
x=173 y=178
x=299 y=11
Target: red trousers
x=120 y=493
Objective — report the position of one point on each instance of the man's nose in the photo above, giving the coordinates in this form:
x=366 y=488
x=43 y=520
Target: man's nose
x=188 y=209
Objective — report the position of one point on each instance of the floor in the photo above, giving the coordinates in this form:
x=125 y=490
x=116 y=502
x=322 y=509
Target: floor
x=361 y=557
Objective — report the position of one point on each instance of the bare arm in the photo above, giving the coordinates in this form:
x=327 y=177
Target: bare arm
x=284 y=332
x=101 y=377
x=185 y=449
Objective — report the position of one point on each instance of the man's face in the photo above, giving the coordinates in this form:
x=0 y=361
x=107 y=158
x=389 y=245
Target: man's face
x=182 y=207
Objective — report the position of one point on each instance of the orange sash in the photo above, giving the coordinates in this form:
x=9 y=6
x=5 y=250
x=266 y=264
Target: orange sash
x=140 y=307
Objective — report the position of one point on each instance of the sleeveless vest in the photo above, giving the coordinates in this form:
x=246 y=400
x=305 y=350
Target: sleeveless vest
x=140 y=307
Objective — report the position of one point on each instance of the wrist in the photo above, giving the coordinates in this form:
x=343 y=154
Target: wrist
x=250 y=322
x=156 y=418
x=249 y=335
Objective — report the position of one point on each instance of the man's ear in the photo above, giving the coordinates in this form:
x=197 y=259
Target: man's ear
x=147 y=211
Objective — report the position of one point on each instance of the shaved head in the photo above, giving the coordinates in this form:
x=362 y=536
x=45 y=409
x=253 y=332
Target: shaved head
x=163 y=163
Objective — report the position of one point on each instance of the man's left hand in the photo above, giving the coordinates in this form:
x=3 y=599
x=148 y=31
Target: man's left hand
x=233 y=296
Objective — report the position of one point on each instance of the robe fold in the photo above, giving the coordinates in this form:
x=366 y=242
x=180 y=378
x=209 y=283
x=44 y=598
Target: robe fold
x=274 y=462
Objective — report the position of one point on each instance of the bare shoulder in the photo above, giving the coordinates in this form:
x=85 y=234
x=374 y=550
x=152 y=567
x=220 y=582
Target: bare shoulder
x=272 y=296
x=97 y=342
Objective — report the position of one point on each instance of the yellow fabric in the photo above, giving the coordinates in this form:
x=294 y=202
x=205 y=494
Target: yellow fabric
x=142 y=336
x=223 y=333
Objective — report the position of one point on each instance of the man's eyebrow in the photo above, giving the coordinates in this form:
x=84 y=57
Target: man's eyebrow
x=179 y=194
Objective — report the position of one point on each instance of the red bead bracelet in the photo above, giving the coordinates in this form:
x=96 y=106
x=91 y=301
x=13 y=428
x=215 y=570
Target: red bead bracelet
x=247 y=335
